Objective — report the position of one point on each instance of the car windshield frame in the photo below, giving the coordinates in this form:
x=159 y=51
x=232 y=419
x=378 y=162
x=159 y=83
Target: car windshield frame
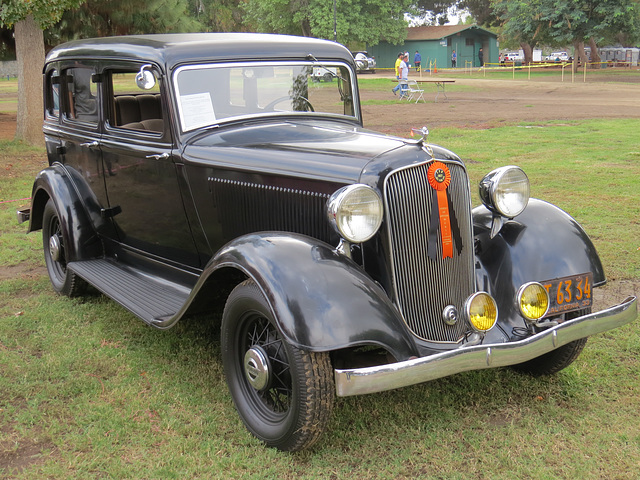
x=210 y=94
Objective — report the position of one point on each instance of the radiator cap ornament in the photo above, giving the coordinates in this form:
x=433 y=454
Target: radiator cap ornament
x=424 y=132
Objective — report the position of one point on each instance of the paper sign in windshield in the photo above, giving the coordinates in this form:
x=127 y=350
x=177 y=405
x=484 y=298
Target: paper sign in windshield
x=197 y=111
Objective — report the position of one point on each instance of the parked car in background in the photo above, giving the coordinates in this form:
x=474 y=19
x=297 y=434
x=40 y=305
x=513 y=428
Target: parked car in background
x=558 y=57
x=512 y=56
x=364 y=63
x=206 y=173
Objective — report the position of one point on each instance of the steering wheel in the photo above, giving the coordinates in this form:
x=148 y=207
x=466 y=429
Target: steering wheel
x=299 y=99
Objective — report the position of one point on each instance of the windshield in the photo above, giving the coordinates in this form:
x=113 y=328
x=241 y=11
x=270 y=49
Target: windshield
x=210 y=94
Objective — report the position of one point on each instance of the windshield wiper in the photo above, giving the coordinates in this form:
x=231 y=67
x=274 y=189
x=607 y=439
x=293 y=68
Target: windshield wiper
x=311 y=57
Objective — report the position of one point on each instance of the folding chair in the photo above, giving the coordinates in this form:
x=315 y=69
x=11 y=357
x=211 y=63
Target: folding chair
x=414 y=89
x=405 y=92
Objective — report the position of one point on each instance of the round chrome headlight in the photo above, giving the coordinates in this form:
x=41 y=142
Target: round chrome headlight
x=505 y=191
x=355 y=211
x=481 y=311
x=533 y=301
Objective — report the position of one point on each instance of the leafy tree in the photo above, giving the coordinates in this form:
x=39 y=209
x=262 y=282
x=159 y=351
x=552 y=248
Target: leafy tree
x=97 y=18
x=562 y=22
x=482 y=11
x=523 y=22
x=576 y=22
x=29 y=18
x=356 y=21
x=218 y=15
x=435 y=11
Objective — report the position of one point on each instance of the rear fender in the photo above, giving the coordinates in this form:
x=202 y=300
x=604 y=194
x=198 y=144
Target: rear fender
x=320 y=299
x=542 y=243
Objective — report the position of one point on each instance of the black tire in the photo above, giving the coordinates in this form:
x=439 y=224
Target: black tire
x=557 y=359
x=54 y=241
x=288 y=403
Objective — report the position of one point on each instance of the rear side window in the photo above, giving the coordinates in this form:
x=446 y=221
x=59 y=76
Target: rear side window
x=52 y=95
x=82 y=96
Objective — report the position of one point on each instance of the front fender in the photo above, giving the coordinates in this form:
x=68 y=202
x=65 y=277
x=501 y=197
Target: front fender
x=542 y=243
x=56 y=183
x=321 y=300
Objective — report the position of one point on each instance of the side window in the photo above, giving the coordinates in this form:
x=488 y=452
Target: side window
x=82 y=103
x=52 y=95
x=131 y=107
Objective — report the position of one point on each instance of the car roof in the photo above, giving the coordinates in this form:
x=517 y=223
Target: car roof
x=175 y=49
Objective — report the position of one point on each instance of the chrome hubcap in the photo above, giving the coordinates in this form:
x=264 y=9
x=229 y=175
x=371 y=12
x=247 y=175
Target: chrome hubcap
x=54 y=247
x=257 y=368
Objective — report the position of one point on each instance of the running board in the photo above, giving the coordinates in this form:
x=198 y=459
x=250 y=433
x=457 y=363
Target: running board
x=152 y=301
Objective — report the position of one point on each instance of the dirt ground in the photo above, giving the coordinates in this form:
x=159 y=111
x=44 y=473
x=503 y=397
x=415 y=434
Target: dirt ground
x=471 y=103
x=486 y=103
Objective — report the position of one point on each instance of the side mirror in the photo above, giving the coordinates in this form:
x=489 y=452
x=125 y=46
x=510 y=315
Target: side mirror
x=145 y=79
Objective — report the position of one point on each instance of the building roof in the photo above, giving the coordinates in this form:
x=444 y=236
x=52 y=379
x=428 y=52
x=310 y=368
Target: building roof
x=438 y=32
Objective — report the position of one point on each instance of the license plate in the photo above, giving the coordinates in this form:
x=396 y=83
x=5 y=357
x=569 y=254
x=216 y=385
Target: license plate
x=570 y=293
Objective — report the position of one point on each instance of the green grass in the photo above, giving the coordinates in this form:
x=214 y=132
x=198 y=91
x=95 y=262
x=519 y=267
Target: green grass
x=8 y=86
x=89 y=391
x=570 y=165
x=386 y=84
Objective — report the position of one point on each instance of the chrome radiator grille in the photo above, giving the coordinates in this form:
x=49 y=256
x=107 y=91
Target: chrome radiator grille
x=424 y=287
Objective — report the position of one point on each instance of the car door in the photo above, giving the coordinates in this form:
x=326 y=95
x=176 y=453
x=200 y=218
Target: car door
x=141 y=178
x=73 y=133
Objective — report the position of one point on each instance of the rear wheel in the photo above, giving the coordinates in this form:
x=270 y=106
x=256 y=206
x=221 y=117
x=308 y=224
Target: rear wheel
x=283 y=394
x=557 y=359
x=54 y=244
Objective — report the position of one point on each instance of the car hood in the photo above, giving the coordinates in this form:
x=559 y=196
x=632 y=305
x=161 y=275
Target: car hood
x=319 y=149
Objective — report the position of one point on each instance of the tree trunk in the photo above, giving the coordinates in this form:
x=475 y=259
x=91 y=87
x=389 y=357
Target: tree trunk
x=30 y=55
x=578 y=54
x=528 y=53
x=595 y=57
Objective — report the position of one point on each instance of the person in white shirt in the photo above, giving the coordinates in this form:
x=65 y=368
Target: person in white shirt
x=404 y=75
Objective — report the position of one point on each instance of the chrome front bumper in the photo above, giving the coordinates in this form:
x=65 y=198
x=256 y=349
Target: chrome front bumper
x=359 y=381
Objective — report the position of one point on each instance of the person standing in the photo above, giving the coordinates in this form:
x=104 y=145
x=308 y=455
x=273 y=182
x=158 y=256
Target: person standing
x=481 y=57
x=404 y=76
x=417 y=60
x=397 y=69
x=454 y=59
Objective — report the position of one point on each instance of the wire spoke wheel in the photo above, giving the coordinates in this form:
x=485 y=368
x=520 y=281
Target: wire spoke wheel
x=276 y=396
x=284 y=395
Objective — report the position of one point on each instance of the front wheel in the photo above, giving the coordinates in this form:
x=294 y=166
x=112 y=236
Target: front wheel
x=54 y=244
x=284 y=395
x=557 y=359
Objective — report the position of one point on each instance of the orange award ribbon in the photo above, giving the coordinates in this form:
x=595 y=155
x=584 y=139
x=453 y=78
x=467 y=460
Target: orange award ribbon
x=439 y=178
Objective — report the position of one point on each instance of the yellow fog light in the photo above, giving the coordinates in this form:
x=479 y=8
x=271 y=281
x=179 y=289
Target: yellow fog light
x=533 y=301
x=482 y=311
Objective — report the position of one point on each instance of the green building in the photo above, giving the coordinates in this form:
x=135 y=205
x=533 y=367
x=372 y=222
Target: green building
x=438 y=43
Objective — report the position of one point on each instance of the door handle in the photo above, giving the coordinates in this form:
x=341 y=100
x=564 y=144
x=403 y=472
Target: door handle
x=93 y=144
x=161 y=156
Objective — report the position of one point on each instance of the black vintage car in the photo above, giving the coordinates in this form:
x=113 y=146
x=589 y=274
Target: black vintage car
x=185 y=169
